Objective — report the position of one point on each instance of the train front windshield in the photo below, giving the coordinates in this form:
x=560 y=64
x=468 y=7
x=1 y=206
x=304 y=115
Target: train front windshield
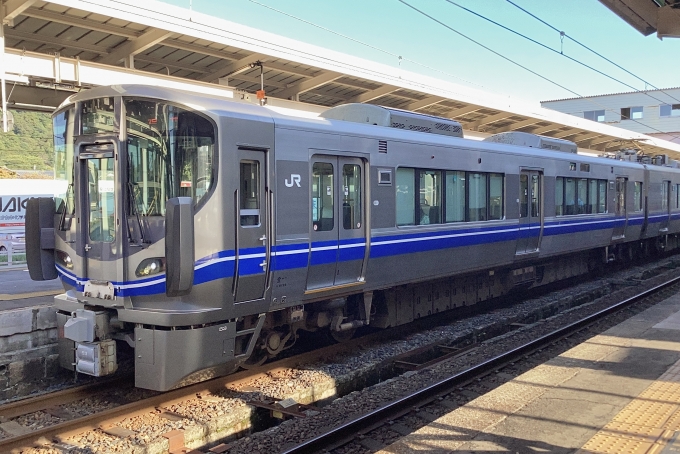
x=169 y=152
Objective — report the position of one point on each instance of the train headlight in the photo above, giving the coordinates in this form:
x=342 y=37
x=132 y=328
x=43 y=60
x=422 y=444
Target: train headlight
x=64 y=259
x=149 y=267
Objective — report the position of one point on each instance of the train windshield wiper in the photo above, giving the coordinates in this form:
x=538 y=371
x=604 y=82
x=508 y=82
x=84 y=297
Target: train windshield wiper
x=135 y=211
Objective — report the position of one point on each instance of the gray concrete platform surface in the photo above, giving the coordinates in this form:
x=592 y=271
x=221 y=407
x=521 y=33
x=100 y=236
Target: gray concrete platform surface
x=617 y=392
x=17 y=290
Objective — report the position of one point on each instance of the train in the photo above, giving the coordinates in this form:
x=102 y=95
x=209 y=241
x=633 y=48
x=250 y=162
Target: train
x=205 y=234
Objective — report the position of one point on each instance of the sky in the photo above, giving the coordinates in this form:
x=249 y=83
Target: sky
x=384 y=30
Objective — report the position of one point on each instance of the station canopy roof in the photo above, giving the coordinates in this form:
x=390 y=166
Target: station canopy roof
x=649 y=16
x=54 y=48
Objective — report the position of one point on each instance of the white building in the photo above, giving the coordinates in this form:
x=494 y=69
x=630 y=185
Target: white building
x=652 y=112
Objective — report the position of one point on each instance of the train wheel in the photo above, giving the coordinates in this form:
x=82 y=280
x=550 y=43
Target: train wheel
x=257 y=359
x=343 y=336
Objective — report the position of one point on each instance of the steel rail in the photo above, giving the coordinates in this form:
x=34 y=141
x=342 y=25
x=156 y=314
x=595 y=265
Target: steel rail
x=349 y=429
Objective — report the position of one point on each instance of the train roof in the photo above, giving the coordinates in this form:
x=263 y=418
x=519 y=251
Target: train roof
x=218 y=106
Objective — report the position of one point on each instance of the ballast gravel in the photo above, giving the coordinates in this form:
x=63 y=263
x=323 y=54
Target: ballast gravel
x=204 y=419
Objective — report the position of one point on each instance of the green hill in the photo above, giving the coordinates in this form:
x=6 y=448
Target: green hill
x=28 y=145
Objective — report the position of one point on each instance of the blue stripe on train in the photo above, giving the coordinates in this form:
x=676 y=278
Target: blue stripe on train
x=222 y=264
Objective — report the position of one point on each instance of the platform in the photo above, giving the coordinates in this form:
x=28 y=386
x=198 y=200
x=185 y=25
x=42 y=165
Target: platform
x=17 y=290
x=618 y=392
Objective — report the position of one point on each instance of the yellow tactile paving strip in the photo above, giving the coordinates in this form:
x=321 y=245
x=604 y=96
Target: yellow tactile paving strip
x=647 y=424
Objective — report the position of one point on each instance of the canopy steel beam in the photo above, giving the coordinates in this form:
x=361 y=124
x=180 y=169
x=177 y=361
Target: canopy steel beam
x=309 y=84
x=67 y=43
x=370 y=95
x=12 y=8
x=225 y=68
x=422 y=103
x=136 y=45
x=488 y=120
x=515 y=126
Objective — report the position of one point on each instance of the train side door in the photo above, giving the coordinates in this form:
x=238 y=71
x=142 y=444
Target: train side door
x=620 y=209
x=98 y=211
x=252 y=252
x=337 y=237
x=530 y=212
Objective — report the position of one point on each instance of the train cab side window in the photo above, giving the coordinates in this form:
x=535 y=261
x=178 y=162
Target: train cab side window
x=250 y=193
x=351 y=197
x=323 y=212
x=637 y=197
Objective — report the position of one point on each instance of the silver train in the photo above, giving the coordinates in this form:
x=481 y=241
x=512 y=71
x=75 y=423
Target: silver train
x=206 y=233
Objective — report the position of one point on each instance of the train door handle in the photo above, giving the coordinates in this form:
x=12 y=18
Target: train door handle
x=87 y=247
x=263 y=238
x=264 y=265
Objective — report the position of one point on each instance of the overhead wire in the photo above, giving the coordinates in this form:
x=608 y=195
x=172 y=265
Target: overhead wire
x=392 y=54
x=564 y=34
x=520 y=65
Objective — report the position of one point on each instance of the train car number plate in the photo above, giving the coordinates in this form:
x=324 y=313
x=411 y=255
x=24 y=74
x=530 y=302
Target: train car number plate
x=98 y=289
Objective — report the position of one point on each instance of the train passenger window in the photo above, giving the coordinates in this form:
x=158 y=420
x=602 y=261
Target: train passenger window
x=351 y=197
x=406 y=196
x=322 y=197
x=559 y=196
x=582 y=195
x=430 y=185
x=455 y=196
x=570 y=196
x=637 y=197
x=495 y=196
x=250 y=193
x=602 y=196
x=477 y=198
x=591 y=206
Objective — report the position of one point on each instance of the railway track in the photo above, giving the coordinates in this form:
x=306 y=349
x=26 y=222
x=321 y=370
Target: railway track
x=387 y=414
x=163 y=405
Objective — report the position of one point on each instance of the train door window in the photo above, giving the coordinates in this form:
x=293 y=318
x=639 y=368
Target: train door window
x=570 y=196
x=591 y=205
x=322 y=196
x=665 y=186
x=535 y=195
x=620 y=196
x=523 y=196
x=406 y=196
x=582 y=195
x=602 y=196
x=559 y=196
x=455 y=196
x=351 y=197
x=495 y=196
x=677 y=196
x=477 y=198
x=430 y=197
x=100 y=181
x=637 y=196
x=250 y=193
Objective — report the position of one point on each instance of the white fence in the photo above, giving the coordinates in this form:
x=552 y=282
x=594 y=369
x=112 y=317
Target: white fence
x=12 y=256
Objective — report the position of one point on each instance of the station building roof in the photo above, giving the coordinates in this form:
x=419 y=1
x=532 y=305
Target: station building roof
x=56 y=47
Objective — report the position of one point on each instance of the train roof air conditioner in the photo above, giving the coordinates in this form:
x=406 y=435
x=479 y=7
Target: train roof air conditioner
x=394 y=118
x=526 y=139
